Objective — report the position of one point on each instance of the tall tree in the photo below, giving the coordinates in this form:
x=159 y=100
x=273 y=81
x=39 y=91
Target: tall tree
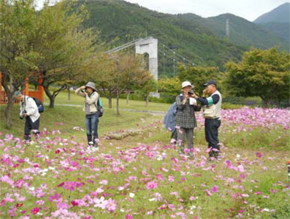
x=263 y=73
x=147 y=87
x=17 y=57
x=131 y=72
x=64 y=46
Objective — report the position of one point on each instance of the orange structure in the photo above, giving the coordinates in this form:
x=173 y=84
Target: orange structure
x=39 y=93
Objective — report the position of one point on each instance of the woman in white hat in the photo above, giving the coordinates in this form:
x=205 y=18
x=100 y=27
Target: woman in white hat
x=185 y=117
x=91 y=110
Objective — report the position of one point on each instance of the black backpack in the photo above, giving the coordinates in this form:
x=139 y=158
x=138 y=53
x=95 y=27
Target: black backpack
x=39 y=104
x=100 y=108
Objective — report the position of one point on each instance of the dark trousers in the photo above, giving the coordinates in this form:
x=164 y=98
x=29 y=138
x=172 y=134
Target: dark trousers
x=92 y=122
x=29 y=125
x=211 y=132
x=188 y=133
x=174 y=135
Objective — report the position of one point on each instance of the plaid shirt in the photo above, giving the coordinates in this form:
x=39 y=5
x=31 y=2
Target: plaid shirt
x=185 y=117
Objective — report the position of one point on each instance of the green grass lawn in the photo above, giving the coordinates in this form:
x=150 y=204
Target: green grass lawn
x=62 y=98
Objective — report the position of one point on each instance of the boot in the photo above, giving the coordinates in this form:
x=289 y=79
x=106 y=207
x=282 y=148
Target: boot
x=90 y=142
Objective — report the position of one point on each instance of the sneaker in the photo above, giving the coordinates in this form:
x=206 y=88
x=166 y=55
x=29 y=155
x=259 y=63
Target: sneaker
x=91 y=143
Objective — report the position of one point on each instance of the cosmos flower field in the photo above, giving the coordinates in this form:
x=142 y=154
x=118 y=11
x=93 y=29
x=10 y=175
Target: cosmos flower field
x=60 y=177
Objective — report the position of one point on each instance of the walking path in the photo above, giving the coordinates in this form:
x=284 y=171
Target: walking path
x=128 y=110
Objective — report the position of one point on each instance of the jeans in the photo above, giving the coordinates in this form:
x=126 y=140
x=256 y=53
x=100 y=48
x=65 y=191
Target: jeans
x=92 y=122
x=29 y=125
x=211 y=132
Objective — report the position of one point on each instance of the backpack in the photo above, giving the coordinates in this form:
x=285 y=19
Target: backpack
x=100 y=108
x=38 y=104
x=169 y=119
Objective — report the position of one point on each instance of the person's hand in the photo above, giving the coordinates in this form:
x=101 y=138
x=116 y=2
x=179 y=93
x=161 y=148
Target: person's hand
x=24 y=115
x=83 y=87
x=204 y=92
x=194 y=96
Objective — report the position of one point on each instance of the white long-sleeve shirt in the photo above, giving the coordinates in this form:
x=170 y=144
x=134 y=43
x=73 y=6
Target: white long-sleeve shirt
x=29 y=105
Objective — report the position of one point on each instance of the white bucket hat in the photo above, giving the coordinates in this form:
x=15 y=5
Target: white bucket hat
x=186 y=84
x=91 y=85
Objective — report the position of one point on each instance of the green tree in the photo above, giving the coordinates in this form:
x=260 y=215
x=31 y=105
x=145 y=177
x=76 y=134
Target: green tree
x=65 y=47
x=263 y=73
x=130 y=73
x=149 y=85
x=17 y=57
x=198 y=75
x=170 y=86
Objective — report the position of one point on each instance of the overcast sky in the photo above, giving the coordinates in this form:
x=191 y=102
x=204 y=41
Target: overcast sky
x=248 y=9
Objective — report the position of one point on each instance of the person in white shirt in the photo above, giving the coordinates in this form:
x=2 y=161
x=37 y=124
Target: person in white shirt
x=29 y=111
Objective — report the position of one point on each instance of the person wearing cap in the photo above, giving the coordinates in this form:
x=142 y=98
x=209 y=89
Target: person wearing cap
x=185 y=117
x=212 y=115
x=91 y=111
x=29 y=111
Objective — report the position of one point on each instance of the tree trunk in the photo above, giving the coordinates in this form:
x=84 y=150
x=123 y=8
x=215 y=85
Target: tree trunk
x=8 y=113
x=10 y=103
x=110 y=100
x=128 y=98
x=49 y=95
x=53 y=95
x=117 y=105
x=68 y=94
x=147 y=100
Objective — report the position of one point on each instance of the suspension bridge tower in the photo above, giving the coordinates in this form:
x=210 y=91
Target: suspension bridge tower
x=149 y=46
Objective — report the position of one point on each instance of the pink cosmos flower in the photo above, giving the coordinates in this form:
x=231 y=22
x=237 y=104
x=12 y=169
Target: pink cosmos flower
x=215 y=189
x=104 y=182
x=170 y=178
x=34 y=211
x=258 y=154
x=151 y=185
x=100 y=203
x=111 y=205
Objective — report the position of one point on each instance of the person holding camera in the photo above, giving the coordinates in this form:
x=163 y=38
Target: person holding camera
x=91 y=111
x=29 y=111
x=212 y=115
x=185 y=117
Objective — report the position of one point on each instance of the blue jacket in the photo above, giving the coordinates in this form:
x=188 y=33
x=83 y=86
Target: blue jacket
x=169 y=119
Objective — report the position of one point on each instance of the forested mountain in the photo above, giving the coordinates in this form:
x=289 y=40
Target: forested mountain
x=277 y=21
x=200 y=40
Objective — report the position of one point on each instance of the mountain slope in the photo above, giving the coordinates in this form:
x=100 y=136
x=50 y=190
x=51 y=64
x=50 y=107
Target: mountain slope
x=242 y=32
x=277 y=15
x=277 y=21
x=129 y=21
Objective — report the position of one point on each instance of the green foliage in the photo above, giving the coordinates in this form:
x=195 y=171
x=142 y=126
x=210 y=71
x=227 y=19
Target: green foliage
x=64 y=46
x=18 y=25
x=170 y=86
x=260 y=73
x=198 y=76
x=125 y=21
x=242 y=32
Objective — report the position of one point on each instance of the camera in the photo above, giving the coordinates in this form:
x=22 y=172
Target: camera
x=21 y=115
x=190 y=93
